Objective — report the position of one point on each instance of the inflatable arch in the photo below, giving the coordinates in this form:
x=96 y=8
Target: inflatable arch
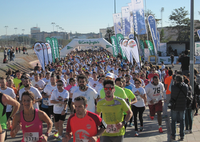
x=86 y=42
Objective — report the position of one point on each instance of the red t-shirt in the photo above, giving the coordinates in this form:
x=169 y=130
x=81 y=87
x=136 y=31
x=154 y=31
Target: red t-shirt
x=82 y=128
x=151 y=75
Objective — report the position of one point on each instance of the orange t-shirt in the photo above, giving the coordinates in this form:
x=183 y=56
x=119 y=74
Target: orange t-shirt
x=82 y=128
x=15 y=90
x=168 y=81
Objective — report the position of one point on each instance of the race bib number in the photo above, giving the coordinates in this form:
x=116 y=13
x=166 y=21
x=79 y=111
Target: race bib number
x=111 y=128
x=46 y=102
x=31 y=136
x=138 y=98
x=59 y=105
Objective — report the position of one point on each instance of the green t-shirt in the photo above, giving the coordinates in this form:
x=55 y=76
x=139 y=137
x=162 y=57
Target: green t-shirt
x=3 y=118
x=119 y=92
x=129 y=94
x=112 y=112
x=16 y=82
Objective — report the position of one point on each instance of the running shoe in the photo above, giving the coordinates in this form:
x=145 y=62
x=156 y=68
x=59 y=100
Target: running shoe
x=152 y=117
x=136 y=134
x=141 y=129
x=56 y=135
x=59 y=138
x=130 y=124
x=160 y=130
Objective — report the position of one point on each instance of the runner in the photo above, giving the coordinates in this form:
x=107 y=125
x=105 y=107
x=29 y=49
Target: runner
x=155 y=91
x=31 y=121
x=17 y=80
x=84 y=124
x=38 y=83
x=112 y=109
x=88 y=92
x=4 y=101
x=140 y=105
x=59 y=98
x=10 y=92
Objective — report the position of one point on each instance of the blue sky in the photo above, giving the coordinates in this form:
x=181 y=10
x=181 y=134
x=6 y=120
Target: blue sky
x=81 y=16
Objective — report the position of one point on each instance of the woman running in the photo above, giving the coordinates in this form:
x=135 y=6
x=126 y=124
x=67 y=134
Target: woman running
x=31 y=121
x=139 y=106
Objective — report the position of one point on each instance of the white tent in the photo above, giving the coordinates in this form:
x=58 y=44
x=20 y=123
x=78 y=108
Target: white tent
x=86 y=42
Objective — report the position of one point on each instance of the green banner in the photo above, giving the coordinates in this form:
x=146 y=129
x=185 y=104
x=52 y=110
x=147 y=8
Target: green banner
x=54 y=47
x=150 y=46
x=142 y=47
x=119 y=38
x=114 y=45
x=48 y=40
x=57 y=48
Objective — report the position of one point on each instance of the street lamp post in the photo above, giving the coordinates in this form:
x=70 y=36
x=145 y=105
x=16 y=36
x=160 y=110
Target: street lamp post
x=6 y=32
x=53 y=23
x=162 y=9
x=23 y=35
x=57 y=27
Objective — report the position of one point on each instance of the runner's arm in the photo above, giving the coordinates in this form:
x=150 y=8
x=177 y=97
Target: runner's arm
x=128 y=115
x=10 y=101
x=67 y=137
x=134 y=100
x=15 y=125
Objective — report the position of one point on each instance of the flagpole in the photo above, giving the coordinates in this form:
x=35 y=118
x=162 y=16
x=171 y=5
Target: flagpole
x=146 y=19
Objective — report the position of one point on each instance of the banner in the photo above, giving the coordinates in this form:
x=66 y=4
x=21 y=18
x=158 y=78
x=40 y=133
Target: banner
x=158 y=37
x=150 y=47
x=163 y=49
x=120 y=38
x=142 y=47
x=138 y=17
x=49 y=52
x=117 y=23
x=131 y=18
x=115 y=47
x=54 y=48
x=153 y=29
x=146 y=54
x=197 y=49
x=134 y=50
x=57 y=48
x=46 y=58
x=198 y=33
x=39 y=52
x=125 y=49
x=125 y=21
x=48 y=40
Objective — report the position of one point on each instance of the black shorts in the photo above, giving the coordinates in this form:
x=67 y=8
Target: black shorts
x=50 y=110
x=8 y=114
x=59 y=117
x=46 y=110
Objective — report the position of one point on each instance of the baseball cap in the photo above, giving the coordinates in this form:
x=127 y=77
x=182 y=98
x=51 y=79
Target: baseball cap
x=110 y=75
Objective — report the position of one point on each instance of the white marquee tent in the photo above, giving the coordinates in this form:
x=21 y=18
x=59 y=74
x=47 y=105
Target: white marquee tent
x=101 y=42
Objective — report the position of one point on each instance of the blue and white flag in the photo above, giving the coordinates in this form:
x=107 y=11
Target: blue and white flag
x=138 y=17
x=117 y=23
x=125 y=21
x=131 y=17
x=158 y=37
x=131 y=36
x=153 y=29
x=198 y=32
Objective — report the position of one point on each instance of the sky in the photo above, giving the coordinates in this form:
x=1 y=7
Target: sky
x=82 y=16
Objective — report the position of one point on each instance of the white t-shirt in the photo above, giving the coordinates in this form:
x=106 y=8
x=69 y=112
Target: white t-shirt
x=40 y=83
x=155 y=92
x=59 y=96
x=35 y=91
x=10 y=92
x=163 y=69
x=140 y=101
x=73 y=89
x=49 y=89
x=93 y=83
x=46 y=81
x=98 y=88
x=90 y=95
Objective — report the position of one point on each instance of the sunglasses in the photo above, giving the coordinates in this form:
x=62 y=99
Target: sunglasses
x=108 y=88
x=108 y=78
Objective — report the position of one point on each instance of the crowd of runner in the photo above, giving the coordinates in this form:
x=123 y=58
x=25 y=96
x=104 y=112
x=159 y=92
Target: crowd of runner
x=102 y=93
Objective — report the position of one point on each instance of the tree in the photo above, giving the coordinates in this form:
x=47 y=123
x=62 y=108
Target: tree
x=109 y=33
x=181 y=23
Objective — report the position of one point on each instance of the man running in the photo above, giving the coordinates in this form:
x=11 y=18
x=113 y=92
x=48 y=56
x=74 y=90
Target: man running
x=84 y=124
x=155 y=91
x=59 y=98
x=112 y=109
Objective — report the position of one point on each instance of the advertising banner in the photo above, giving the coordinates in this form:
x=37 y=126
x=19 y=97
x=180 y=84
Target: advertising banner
x=198 y=32
x=150 y=47
x=134 y=50
x=125 y=49
x=54 y=48
x=46 y=58
x=197 y=49
x=57 y=48
x=138 y=17
x=120 y=38
x=49 y=52
x=163 y=49
x=153 y=29
x=131 y=17
x=142 y=47
x=146 y=54
x=39 y=52
x=158 y=37
x=115 y=47
x=125 y=21
x=48 y=40
x=117 y=18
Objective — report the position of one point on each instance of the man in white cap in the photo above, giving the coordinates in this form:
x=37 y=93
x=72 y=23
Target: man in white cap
x=119 y=92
